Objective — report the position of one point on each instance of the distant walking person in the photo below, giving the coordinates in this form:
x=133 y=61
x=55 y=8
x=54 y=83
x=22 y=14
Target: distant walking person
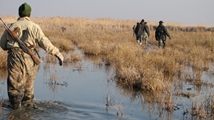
x=160 y=34
x=146 y=33
x=142 y=32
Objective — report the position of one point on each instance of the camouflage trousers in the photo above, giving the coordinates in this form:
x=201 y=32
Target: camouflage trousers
x=21 y=75
x=143 y=37
x=162 y=43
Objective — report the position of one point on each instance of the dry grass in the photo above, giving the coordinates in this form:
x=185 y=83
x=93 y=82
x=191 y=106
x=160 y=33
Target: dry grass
x=138 y=69
x=3 y=64
x=113 y=40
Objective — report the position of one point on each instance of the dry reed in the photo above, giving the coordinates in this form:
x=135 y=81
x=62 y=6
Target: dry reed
x=113 y=40
x=136 y=68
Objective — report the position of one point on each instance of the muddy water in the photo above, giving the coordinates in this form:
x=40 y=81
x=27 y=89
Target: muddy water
x=87 y=90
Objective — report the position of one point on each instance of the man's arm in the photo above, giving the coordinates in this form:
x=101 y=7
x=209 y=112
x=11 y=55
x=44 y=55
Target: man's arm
x=156 y=34
x=46 y=44
x=166 y=32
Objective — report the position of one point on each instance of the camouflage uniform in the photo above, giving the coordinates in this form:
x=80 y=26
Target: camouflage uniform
x=21 y=68
x=160 y=34
x=146 y=33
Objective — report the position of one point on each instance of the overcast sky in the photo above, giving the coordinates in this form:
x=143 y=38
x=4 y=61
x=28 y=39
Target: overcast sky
x=178 y=11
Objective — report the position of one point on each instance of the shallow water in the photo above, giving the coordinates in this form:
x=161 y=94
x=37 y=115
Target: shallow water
x=87 y=92
x=80 y=92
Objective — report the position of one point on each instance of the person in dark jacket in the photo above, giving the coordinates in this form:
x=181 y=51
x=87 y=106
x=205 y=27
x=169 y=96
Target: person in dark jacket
x=142 y=32
x=160 y=34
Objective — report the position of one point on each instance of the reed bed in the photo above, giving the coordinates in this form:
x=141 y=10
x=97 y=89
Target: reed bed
x=113 y=40
x=146 y=69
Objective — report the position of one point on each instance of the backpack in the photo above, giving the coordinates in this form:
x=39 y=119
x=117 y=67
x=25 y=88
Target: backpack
x=139 y=29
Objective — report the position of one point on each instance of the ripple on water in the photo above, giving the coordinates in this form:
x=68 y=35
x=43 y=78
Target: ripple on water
x=47 y=110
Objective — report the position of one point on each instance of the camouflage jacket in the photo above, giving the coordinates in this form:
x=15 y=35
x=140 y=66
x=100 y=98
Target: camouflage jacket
x=161 y=32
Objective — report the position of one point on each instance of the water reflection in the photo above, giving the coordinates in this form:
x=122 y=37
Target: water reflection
x=187 y=96
x=155 y=103
x=89 y=89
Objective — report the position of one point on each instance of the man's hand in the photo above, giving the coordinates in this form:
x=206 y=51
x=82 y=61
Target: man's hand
x=60 y=58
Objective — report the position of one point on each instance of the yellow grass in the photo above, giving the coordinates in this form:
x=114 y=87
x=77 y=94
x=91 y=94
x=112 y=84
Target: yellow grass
x=148 y=73
x=3 y=64
x=113 y=40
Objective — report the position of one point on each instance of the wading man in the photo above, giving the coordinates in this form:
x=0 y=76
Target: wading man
x=160 y=34
x=21 y=67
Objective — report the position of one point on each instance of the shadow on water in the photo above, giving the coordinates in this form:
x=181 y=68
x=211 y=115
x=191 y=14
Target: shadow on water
x=89 y=90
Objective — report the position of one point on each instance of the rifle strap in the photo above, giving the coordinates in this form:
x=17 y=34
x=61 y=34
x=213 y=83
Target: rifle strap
x=17 y=29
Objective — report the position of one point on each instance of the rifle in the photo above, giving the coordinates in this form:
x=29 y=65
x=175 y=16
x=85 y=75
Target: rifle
x=22 y=45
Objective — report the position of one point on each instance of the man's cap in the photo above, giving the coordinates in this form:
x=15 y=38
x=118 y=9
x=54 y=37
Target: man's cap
x=24 y=9
x=161 y=21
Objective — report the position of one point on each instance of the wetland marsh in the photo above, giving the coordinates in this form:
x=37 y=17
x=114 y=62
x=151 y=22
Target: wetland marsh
x=107 y=75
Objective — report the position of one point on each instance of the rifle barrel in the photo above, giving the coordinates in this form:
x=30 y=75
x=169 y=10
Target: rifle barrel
x=22 y=45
